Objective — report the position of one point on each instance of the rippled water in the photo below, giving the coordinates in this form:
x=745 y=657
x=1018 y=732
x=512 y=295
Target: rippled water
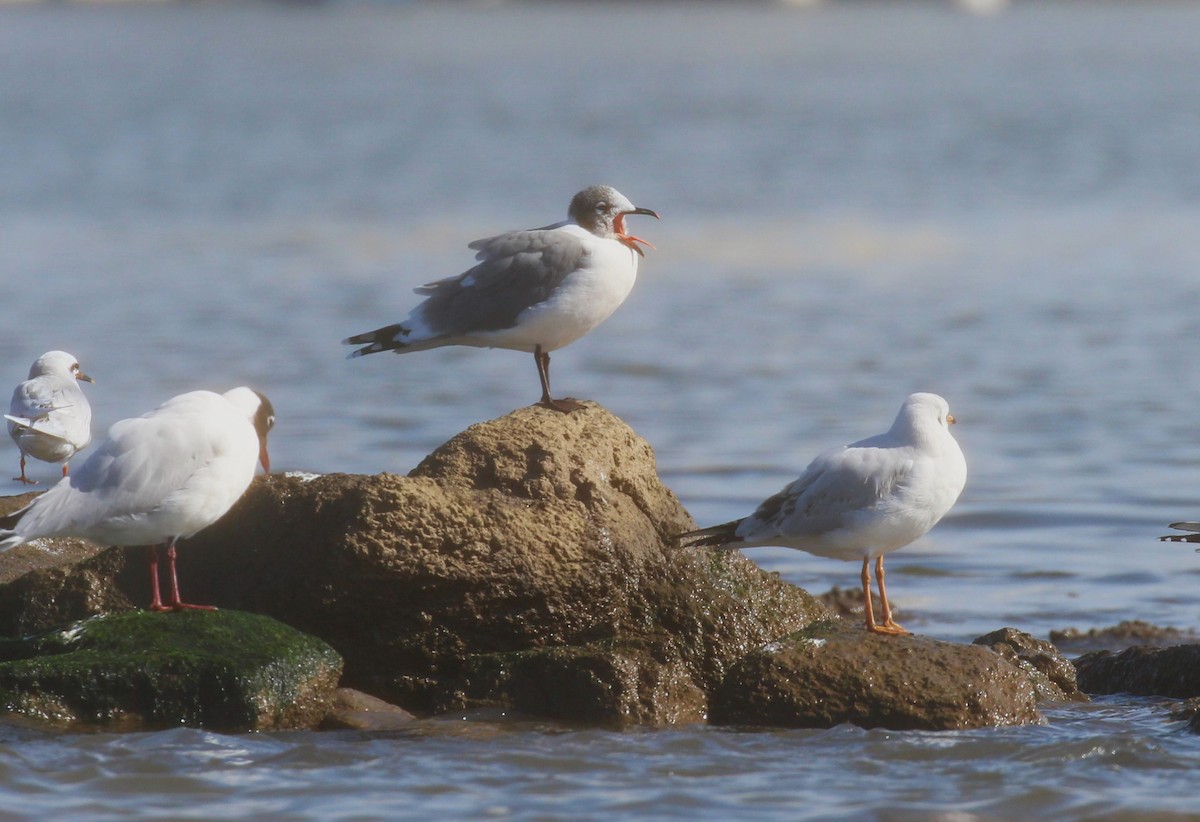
x=858 y=201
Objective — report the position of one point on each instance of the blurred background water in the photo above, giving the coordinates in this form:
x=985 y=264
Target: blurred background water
x=859 y=200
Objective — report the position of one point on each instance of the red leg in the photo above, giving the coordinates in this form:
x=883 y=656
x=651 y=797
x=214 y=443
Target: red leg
x=24 y=479
x=177 y=604
x=155 y=597
x=65 y=469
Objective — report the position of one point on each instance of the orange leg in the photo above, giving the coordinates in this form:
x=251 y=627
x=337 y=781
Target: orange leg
x=889 y=625
x=868 y=610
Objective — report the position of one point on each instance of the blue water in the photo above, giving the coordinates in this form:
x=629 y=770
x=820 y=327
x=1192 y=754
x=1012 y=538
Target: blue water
x=859 y=200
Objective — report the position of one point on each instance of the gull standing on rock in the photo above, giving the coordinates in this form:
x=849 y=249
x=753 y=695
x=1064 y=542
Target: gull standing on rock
x=158 y=478
x=49 y=418
x=862 y=500
x=536 y=290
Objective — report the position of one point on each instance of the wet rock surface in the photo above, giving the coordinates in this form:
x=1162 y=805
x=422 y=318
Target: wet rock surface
x=1051 y=673
x=1122 y=635
x=1142 y=671
x=136 y=671
x=529 y=550
x=530 y=565
x=835 y=672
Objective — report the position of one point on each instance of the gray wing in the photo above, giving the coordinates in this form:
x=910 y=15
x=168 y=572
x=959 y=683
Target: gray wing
x=34 y=403
x=836 y=486
x=515 y=271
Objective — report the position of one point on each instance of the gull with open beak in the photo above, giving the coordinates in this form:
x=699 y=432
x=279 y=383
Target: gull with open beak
x=535 y=290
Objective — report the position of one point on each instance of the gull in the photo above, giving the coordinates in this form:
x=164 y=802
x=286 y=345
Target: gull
x=158 y=478
x=861 y=500
x=1194 y=527
x=536 y=290
x=49 y=418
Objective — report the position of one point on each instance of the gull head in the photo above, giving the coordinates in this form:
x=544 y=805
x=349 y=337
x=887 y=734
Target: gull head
x=260 y=413
x=923 y=416
x=602 y=211
x=58 y=364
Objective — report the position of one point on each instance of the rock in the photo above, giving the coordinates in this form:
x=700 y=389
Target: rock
x=1052 y=673
x=1122 y=635
x=1142 y=671
x=221 y=670
x=533 y=549
x=835 y=672
x=355 y=711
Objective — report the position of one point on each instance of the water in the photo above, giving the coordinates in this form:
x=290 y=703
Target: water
x=858 y=201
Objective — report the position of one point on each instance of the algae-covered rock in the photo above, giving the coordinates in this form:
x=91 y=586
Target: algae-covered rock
x=1173 y=672
x=223 y=670
x=834 y=673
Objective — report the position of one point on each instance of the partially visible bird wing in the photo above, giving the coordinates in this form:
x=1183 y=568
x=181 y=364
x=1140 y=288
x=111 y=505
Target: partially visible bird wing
x=836 y=485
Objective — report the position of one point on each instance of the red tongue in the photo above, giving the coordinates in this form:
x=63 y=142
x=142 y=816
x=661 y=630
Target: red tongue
x=628 y=239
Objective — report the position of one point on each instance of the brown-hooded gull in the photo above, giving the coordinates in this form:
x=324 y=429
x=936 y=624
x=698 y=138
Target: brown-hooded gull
x=536 y=290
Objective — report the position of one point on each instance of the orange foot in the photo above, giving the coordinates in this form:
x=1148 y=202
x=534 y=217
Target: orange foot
x=889 y=628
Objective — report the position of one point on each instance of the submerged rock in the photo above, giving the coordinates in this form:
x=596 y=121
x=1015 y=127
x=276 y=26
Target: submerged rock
x=834 y=673
x=355 y=711
x=221 y=670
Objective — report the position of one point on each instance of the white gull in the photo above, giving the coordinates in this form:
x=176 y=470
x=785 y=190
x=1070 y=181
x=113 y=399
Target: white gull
x=862 y=500
x=158 y=478
x=49 y=417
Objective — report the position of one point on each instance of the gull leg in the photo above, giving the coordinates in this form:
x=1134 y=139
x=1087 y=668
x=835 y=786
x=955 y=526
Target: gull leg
x=177 y=604
x=155 y=597
x=868 y=610
x=66 y=470
x=889 y=625
x=567 y=405
x=24 y=479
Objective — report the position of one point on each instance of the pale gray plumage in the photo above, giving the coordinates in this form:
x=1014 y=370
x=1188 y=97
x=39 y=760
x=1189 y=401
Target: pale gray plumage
x=863 y=500
x=49 y=417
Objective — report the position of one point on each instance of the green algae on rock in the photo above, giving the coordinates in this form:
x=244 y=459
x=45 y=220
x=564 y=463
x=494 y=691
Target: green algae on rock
x=223 y=670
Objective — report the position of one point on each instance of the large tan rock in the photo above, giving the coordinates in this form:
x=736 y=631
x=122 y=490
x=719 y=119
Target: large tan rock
x=835 y=673
x=529 y=562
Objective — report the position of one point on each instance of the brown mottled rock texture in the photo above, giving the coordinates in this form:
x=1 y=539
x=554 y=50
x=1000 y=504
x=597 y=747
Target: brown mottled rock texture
x=834 y=673
x=1143 y=671
x=528 y=562
x=1051 y=672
